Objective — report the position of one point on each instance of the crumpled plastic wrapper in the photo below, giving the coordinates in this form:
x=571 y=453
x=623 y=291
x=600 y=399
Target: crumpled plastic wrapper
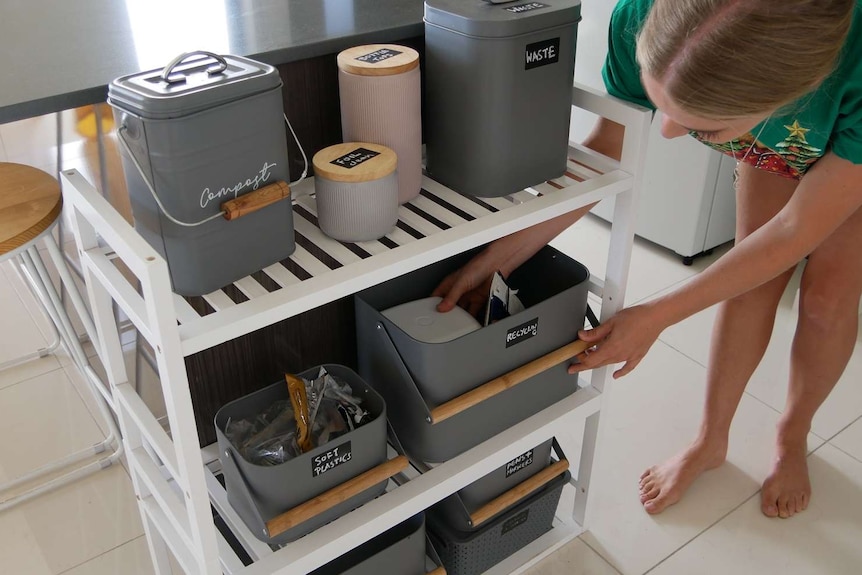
x=270 y=437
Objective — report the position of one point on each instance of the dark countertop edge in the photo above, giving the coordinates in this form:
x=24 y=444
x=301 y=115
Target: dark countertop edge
x=284 y=55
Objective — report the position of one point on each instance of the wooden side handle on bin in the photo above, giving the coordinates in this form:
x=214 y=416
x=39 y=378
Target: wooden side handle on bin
x=253 y=201
x=329 y=499
x=509 y=380
x=438 y=571
x=518 y=492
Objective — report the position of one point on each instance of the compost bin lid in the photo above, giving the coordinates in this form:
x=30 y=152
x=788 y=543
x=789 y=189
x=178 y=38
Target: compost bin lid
x=488 y=20
x=192 y=82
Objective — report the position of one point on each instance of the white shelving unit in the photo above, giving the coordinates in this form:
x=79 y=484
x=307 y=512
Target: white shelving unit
x=175 y=480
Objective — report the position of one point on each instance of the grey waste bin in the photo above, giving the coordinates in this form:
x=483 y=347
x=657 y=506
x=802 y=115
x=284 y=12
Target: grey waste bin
x=498 y=92
x=200 y=132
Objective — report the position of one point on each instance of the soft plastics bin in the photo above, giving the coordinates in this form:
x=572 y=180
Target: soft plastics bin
x=420 y=381
x=398 y=551
x=202 y=132
x=474 y=552
x=499 y=92
x=262 y=494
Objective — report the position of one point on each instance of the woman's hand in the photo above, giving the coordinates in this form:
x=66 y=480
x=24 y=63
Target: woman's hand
x=625 y=338
x=468 y=287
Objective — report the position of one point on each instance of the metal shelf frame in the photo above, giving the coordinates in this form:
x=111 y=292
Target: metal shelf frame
x=173 y=477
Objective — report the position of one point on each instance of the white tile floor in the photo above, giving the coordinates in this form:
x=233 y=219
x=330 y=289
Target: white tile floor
x=93 y=528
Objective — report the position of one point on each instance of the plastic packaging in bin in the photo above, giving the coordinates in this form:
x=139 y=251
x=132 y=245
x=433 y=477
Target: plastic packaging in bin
x=278 y=502
x=204 y=131
x=425 y=384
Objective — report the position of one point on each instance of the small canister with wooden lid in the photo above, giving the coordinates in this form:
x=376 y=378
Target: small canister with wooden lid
x=356 y=184
x=381 y=102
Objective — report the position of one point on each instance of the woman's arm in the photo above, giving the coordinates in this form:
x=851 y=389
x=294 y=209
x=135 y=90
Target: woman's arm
x=468 y=285
x=827 y=195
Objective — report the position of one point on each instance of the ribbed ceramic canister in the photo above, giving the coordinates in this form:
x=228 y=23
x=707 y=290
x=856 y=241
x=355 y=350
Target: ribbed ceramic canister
x=381 y=103
x=357 y=191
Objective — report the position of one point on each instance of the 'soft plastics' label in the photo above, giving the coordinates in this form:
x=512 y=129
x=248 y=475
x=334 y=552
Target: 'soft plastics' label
x=354 y=158
x=378 y=56
x=331 y=459
x=519 y=463
x=522 y=332
x=516 y=521
x=542 y=53
x=525 y=7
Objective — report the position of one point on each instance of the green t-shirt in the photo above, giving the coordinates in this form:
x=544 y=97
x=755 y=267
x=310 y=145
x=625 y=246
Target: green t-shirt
x=828 y=119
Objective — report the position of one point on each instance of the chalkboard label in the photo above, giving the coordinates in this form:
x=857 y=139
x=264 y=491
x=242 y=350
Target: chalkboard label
x=354 y=158
x=516 y=521
x=519 y=463
x=522 y=333
x=517 y=9
x=331 y=459
x=378 y=56
x=542 y=53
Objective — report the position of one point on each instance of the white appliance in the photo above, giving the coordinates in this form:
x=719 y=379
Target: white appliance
x=687 y=203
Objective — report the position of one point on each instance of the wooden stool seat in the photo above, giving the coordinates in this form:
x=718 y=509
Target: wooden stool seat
x=30 y=203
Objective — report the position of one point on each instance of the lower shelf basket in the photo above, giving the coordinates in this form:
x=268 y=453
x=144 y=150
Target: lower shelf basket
x=472 y=553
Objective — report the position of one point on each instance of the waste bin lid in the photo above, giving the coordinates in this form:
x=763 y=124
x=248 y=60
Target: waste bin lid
x=485 y=19
x=192 y=82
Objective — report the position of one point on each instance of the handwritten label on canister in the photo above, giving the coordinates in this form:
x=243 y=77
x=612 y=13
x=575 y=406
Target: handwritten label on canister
x=378 y=56
x=329 y=460
x=522 y=332
x=542 y=53
x=516 y=521
x=519 y=463
x=519 y=8
x=354 y=158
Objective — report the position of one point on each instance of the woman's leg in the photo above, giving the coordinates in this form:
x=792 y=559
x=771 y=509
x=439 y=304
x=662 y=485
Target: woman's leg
x=824 y=341
x=740 y=335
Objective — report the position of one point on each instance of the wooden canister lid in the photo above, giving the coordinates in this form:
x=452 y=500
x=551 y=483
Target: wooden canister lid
x=378 y=60
x=354 y=162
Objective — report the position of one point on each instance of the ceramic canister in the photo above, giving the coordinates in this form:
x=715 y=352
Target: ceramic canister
x=380 y=95
x=356 y=184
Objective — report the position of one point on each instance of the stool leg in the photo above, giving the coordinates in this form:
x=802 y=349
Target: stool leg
x=40 y=282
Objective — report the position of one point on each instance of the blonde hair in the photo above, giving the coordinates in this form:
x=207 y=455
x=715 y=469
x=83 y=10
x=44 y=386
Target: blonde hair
x=724 y=59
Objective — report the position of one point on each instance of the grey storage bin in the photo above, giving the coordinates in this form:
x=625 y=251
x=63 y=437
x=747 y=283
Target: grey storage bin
x=457 y=509
x=261 y=493
x=472 y=553
x=499 y=92
x=399 y=551
x=213 y=131
x=415 y=377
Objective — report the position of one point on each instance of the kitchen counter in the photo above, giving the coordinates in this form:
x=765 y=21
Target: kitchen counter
x=58 y=55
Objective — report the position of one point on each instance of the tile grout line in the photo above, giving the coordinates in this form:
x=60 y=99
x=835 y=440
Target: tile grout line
x=836 y=434
x=701 y=533
x=603 y=558
x=102 y=554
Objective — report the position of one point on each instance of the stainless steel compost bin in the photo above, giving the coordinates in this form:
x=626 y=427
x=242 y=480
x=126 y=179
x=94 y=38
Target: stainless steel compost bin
x=269 y=498
x=205 y=130
x=498 y=92
x=422 y=382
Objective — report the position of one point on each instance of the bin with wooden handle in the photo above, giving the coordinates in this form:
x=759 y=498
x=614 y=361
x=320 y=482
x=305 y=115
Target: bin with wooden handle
x=282 y=502
x=519 y=363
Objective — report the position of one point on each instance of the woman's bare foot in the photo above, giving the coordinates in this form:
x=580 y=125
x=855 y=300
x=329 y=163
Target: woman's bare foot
x=787 y=490
x=663 y=485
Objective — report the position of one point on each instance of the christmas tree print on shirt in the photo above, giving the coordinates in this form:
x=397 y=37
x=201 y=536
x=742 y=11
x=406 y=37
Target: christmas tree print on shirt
x=791 y=158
